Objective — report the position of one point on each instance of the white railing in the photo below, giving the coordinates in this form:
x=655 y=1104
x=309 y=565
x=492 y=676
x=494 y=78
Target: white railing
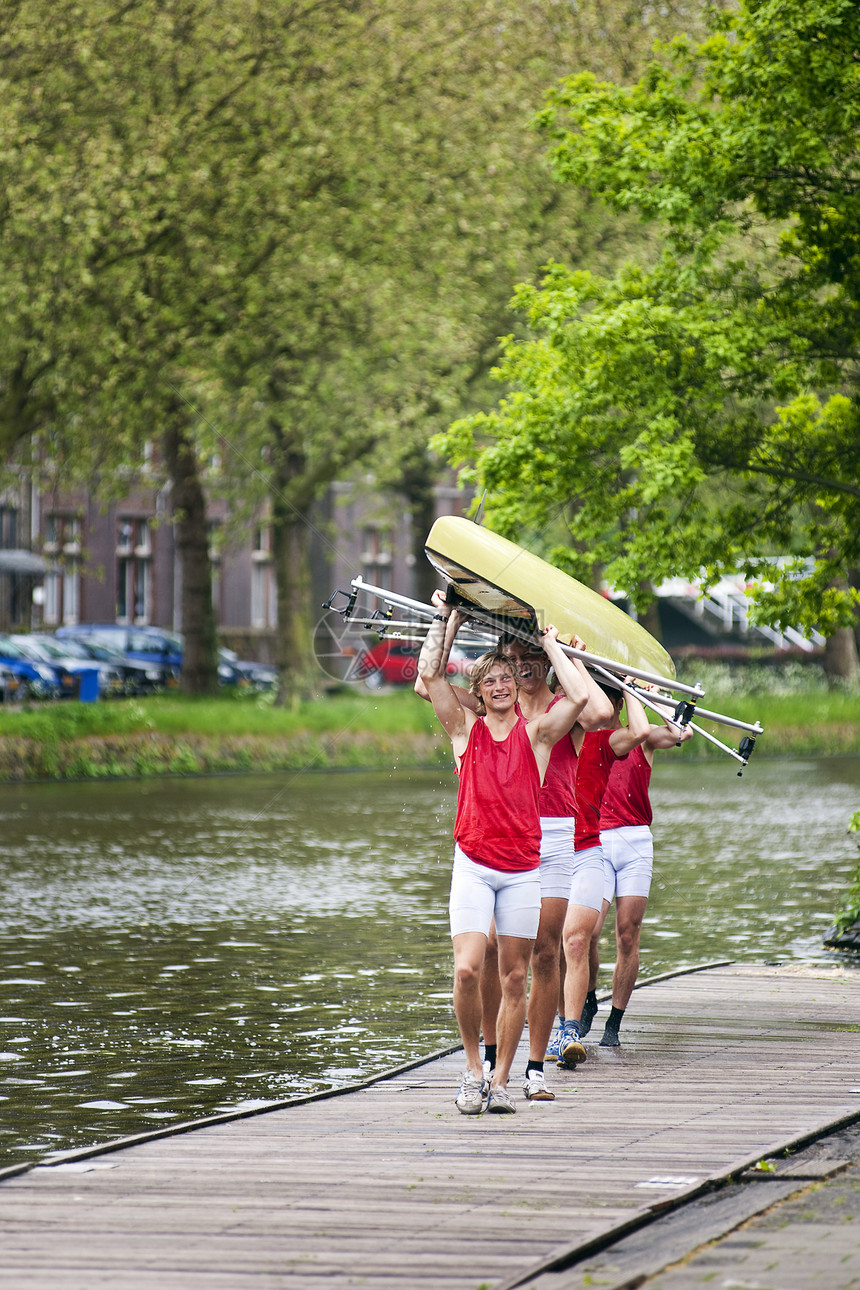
x=727 y=602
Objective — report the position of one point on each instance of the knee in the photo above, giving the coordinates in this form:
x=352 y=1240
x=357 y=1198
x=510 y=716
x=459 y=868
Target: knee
x=514 y=981
x=576 y=943
x=627 y=938
x=545 y=959
x=467 y=975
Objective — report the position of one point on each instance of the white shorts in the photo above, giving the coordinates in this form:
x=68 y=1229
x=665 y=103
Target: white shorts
x=586 y=887
x=556 y=855
x=479 y=894
x=628 y=860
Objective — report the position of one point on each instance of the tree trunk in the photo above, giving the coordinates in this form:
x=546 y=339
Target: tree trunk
x=188 y=507
x=841 y=659
x=294 y=655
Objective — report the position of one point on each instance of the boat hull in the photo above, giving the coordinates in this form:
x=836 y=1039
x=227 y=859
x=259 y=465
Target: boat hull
x=508 y=584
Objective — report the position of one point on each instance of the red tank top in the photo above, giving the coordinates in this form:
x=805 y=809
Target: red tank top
x=557 y=797
x=498 y=821
x=596 y=759
x=626 y=799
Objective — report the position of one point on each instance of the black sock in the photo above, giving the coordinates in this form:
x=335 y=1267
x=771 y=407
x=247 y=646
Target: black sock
x=610 y=1031
x=490 y=1055
x=589 y=1011
x=534 y=1066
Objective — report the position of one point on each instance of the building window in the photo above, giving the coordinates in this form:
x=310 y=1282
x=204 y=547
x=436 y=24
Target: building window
x=376 y=556
x=215 y=565
x=134 y=571
x=262 y=580
x=8 y=528
x=63 y=585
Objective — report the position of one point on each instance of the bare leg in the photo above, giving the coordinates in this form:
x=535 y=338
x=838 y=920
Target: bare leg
x=491 y=988
x=578 y=927
x=514 y=955
x=590 y=1007
x=594 y=947
x=543 y=995
x=469 y=950
x=629 y=912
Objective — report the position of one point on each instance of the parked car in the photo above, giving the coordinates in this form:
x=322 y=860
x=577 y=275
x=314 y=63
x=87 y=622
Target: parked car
x=395 y=662
x=71 y=670
x=233 y=670
x=160 y=650
x=138 y=678
x=11 y=687
x=37 y=680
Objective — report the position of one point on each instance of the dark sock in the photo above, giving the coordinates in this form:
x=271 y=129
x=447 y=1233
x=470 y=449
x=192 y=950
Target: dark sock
x=534 y=1066
x=589 y=1011
x=610 y=1033
x=490 y=1055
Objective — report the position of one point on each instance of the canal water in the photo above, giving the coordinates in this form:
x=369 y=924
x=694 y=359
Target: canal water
x=171 y=950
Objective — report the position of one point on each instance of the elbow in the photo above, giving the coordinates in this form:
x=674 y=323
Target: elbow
x=420 y=688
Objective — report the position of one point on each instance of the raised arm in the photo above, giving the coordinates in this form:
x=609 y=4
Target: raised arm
x=637 y=730
x=667 y=736
x=555 y=723
x=598 y=709
x=468 y=700
x=432 y=664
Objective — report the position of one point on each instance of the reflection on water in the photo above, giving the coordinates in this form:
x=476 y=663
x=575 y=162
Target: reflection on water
x=178 y=949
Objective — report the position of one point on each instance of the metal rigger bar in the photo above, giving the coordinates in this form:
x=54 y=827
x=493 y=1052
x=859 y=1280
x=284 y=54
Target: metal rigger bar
x=504 y=625
x=653 y=702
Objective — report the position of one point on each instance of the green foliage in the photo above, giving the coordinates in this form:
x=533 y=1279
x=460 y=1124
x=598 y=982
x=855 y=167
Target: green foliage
x=277 y=237
x=700 y=410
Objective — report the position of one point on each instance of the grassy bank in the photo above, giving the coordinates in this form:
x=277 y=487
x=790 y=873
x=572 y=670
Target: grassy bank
x=175 y=735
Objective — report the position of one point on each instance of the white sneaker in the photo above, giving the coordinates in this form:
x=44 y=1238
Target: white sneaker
x=500 y=1101
x=470 y=1099
x=535 y=1089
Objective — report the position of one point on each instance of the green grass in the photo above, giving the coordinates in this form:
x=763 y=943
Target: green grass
x=397 y=712
x=177 y=734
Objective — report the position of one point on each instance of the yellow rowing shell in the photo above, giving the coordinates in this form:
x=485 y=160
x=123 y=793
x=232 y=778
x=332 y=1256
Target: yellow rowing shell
x=505 y=581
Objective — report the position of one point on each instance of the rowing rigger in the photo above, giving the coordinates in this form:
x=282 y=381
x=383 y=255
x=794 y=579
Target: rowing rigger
x=609 y=668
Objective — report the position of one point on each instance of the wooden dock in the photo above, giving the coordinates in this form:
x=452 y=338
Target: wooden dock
x=387 y=1186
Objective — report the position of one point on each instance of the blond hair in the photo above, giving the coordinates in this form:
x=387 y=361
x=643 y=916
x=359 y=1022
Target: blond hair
x=482 y=666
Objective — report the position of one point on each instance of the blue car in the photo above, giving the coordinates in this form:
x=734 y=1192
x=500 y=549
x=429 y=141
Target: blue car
x=160 y=649
x=36 y=680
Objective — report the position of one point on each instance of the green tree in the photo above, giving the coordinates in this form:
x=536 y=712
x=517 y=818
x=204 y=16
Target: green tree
x=702 y=408
x=272 y=235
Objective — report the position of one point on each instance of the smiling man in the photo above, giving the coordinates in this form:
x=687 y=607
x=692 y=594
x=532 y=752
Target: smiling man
x=501 y=762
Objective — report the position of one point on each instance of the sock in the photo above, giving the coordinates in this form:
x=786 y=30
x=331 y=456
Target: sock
x=490 y=1055
x=532 y=1065
x=610 y=1032
x=589 y=1011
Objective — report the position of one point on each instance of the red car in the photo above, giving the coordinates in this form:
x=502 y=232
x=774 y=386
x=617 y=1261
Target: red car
x=395 y=662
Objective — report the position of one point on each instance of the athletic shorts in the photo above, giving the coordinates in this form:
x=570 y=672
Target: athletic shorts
x=479 y=894
x=588 y=880
x=556 y=855
x=628 y=860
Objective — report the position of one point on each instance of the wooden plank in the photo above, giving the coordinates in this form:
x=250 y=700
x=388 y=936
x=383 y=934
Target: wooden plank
x=717 y=1068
